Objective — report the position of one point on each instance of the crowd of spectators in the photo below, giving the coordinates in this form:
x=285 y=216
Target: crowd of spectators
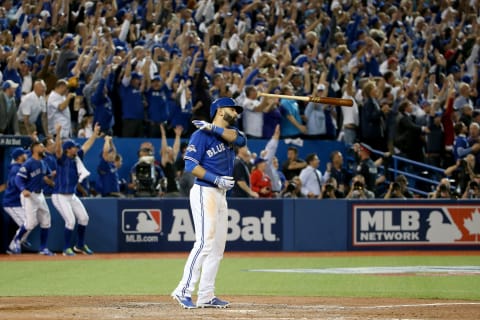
x=147 y=68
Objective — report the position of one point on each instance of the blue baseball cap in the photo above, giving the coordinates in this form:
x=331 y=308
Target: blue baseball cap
x=259 y=160
x=224 y=103
x=69 y=144
x=17 y=152
x=9 y=84
x=67 y=40
x=136 y=75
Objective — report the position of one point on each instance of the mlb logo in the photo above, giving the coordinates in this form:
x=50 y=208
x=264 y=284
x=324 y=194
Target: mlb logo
x=141 y=221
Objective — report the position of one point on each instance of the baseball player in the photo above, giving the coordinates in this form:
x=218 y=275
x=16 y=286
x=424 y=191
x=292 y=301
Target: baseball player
x=209 y=157
x=64 y=199
x=29 y=181
x=11 y=198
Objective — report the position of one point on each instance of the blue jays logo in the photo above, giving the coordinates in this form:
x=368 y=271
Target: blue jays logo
x=191 y=148
x=141 y=221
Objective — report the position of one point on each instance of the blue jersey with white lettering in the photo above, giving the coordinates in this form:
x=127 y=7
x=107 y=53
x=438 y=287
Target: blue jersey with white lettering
x=157 y=104
x=30 y=175
x=212 y=153
x=67 y=175
x=11 y=197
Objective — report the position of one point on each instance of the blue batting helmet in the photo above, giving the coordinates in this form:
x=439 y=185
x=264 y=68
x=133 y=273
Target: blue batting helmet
x=224 y=103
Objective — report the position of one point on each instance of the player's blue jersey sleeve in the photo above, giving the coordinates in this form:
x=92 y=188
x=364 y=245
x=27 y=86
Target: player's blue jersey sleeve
x=195 y=149
x=21 y=178
x=241 y=140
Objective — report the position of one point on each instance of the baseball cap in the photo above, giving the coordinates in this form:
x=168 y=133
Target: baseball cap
x=136 y=75
x=259 y=160
x=9 y=84
x=321 y=87
x=68 y=144
x=224 y=103
x=157 y=78
x=45 y=14
x=364 y=148
x=67 y=40
x=17 y=152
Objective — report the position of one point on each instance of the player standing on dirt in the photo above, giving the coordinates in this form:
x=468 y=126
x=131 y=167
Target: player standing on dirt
x=209 y=157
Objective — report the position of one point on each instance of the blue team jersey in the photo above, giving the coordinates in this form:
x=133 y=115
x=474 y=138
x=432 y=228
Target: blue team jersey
x=212 y=153
x=107 y=181
x=460 y=147
x=30 y=175
x=181 y=117
x=67 y=175
x=157 y=104
x=132 y=103
x=11 y=197
x=51 y=162
x=103 y=112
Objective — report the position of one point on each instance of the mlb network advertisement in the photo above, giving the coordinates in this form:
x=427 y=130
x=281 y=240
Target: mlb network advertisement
x=167 y=225
x=419 y=225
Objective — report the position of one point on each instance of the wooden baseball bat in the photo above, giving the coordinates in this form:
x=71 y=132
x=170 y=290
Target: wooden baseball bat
x=323 y=100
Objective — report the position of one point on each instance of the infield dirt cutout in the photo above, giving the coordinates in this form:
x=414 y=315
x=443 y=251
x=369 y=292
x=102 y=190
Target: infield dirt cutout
x=242 y=307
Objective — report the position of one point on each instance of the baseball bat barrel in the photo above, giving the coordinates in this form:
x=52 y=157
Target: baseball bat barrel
x=323 y=100
x=333 y=101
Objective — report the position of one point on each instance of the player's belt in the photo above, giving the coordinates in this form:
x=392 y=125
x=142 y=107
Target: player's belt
x=36 y=191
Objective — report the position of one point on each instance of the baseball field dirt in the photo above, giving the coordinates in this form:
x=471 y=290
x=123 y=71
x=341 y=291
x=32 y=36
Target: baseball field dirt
x=242 y=306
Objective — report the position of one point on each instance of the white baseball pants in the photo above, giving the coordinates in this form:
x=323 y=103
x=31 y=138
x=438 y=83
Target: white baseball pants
x=210 y=217
x=17 y=214
x=36 y=211
x=70 y=207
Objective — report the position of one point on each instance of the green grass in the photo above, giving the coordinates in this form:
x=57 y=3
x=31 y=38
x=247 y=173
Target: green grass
x=160 y=276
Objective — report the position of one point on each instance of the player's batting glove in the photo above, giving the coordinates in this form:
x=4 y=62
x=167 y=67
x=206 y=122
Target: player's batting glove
x=225 y=182
x=203 y=125
x=207 y=126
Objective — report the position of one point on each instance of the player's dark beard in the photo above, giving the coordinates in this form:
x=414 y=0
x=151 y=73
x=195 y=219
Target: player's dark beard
x=231 y=120
x=41 y=154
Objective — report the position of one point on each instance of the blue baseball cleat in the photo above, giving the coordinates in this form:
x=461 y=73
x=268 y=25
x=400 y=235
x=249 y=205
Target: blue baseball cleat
x=46 y=252
x=68 y=252
x=85 y=249
x=14 y=247
x=185 y=302
x=214 y=303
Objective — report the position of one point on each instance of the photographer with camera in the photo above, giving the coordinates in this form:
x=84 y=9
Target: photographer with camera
x=394 y=191
x=358 y=189
x=398 y=189
x=293 y=188
x=330 y=190
x=443 y=190
x=462 y=171
x=147 y=178
x=472 y=191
